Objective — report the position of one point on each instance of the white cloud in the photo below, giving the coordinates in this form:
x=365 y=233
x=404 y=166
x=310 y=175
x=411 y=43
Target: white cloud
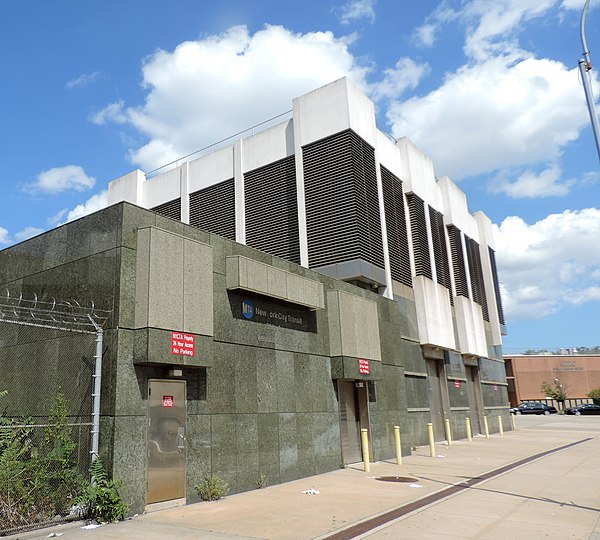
x=406 y=74
x=113 y=112
x=578 y=4
x=4 y=236
x=55 y=219
x=93 y=204
x=82 y=80
x=357 y=9
x=59 y=179
x=530 y=185
x=495 y=114
x=208 y=89
x=425 y=35
x=28 y=232
x=549 y=264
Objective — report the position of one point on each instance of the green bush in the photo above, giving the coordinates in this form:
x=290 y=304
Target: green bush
x=594 y=394
x=38 y=480
x=101 y=499
x=213 y=487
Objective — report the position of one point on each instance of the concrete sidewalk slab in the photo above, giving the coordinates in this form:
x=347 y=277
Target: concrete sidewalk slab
x=350 y=496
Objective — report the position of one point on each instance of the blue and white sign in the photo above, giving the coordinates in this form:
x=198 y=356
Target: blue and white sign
x=247 y=309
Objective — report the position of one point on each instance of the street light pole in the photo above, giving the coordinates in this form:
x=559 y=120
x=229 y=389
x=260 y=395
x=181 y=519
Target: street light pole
x=585 y=66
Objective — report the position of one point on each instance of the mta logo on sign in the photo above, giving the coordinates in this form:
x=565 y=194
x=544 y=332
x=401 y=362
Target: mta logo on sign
x=247 y=309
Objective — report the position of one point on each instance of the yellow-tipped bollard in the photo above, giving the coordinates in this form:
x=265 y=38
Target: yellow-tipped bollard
x=431 y=440
x=364 y=435
x=512 y=421
x=500 y=426
x=448 y=432
x=398 y=445
x=485 y=426
x=469 y=432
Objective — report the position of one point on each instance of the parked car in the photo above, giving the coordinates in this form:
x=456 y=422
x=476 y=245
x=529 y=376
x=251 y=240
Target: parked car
x=533 y=407
x=584 y=408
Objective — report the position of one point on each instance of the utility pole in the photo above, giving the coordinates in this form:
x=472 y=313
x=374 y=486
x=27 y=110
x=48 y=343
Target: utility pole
x=585 y=66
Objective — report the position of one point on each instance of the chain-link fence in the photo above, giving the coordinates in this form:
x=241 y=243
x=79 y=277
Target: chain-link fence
x=46 y=406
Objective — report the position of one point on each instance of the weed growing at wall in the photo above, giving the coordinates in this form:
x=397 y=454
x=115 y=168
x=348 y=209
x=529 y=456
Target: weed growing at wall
x=212 y=488
x=101 y=499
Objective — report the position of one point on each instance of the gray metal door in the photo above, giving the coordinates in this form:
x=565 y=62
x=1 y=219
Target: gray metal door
x=473 y=396
x=435 y=399
x=349 y=422
x=166 y=440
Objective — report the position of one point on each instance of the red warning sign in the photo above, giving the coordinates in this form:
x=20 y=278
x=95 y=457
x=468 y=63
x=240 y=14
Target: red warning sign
x=363 y=366
x=183 y=344
x=457 y=384
x=168 y=401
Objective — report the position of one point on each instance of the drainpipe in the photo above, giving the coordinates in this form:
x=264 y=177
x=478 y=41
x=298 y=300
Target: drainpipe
x=97 y=378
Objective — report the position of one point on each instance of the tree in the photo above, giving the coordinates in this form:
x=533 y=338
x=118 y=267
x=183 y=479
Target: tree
x=555 y=390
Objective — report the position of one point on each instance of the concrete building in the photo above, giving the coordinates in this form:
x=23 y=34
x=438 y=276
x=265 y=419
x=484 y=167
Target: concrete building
x=287 y=290
x=579 y=374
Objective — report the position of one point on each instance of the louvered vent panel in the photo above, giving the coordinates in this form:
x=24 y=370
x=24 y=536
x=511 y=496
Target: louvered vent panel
x=213 y=209
x=416 y=210
x=496 y=285
x=458 y=261
x=440 y=250
x=476 y=274
x=272 y=209
x=342 y=206
x=171 y=209
x=395 y=220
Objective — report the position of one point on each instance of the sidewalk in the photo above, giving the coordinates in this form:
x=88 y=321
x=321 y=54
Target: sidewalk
x=350 y=496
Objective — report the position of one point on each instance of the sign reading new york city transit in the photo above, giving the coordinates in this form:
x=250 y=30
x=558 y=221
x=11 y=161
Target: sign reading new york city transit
x=183 y=344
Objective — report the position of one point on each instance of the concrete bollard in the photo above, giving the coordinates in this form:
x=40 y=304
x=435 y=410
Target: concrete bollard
x=486 y=428
x=512 y=421
x=398 y=445
x=501 y=428
x=469 y=432
x=431 y=440
x=448 y=432
x=364 y=436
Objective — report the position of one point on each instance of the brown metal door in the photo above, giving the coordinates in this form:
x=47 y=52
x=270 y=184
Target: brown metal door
x=349 y=422
x=166 y=440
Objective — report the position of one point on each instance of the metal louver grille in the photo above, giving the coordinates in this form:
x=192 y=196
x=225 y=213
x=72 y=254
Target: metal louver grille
x=342 y=204
x=395 y=221
x=171 y=209
x=476 y=273
x=440 y=251
x=213 y=209
x=272 y=209
x=458 y=262
x=496 y=285
x=416 y=210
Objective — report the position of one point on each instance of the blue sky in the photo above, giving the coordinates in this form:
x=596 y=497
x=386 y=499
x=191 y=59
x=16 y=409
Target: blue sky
x=488 y=88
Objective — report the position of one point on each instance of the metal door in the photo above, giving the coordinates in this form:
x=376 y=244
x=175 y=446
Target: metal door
x=349 y=422
x=435 y=399
x=166 y=440
x=473 y=396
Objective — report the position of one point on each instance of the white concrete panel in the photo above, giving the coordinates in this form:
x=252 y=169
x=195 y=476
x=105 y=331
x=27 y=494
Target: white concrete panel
x=268 y=146
x=418 y=174
x=455 y=208
x=434 y=314
x=162 y=188
x=389 y=154
x=361 y=114
x=211 y=169
x=470 y=327
x=322 y=112
x=127 y=188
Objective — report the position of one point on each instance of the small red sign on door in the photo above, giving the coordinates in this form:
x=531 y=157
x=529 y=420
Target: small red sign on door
x=495 y=388
x=457 y=384
x=363 y=366
x=168 y=401
x=183 y=344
